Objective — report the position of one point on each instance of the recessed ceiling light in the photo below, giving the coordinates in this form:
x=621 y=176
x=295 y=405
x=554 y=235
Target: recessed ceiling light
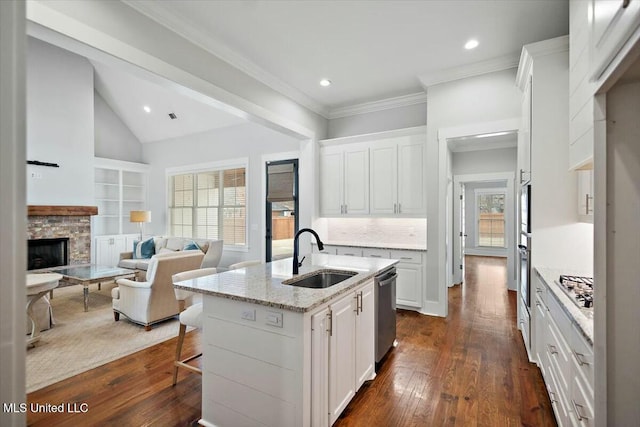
x=471 y=44
x=325 y=82
x=146 y=109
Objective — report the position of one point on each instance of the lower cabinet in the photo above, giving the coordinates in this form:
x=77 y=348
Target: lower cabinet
x=342 y=353
x=564 y=357
x=107 y=249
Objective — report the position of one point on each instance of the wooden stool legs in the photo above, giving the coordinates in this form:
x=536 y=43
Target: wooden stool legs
x=183 y=363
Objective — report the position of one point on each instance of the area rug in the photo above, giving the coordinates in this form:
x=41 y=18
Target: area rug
x=81 y=341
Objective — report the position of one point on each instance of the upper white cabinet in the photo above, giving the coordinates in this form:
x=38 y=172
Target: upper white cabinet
x=344 y=180
x=392 y=183
x=585 y=195
x=120 y=187
x=581 y=104
x=613 y=24
x=397 y=176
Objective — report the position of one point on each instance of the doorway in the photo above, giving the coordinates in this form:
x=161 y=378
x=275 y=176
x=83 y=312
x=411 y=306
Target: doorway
x=281 y=208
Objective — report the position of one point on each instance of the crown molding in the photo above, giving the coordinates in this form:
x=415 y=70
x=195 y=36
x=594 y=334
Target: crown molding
x=380 y=105
x=158 y=13
x=535 y=50
x=477 y=68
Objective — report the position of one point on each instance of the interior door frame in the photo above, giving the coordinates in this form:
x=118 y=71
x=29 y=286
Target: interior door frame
x=272 y=158
x=511 y=220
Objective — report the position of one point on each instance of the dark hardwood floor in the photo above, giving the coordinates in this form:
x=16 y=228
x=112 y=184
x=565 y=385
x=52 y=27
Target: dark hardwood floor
x=468 y=369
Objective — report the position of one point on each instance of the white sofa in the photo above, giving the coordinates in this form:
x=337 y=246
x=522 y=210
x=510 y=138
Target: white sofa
x=154 y=300
x=167 y=246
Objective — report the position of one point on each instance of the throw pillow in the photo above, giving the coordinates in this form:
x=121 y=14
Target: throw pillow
x=190 y=246
x=144 y=250
x=148 y=248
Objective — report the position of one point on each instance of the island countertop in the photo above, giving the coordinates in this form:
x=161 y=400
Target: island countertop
x=262 y=284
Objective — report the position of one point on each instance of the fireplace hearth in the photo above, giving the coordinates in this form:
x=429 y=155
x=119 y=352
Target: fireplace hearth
x=46 y=253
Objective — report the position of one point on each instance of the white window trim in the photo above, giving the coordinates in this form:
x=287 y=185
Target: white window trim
x=241 y=162
x=480 y=191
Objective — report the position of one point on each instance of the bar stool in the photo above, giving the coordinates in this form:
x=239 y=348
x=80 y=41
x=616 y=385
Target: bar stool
x=192 y=316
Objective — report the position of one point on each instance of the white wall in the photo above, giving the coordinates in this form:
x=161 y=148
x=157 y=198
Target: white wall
x=378 y=121
x=484 y=98
x=558 y=239
x=484 y=161
x=59 y=126
x=249 y=140
x=113 y=139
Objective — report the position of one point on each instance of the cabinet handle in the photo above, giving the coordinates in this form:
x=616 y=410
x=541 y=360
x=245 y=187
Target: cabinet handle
x=330 y=320
x=357 y=298
x=578 y=414
x=346 y=209
x=587 y=198
x=375 y=256
x=580 y=358
x=360 y=308
x=395 y=208
x=399 y=207
x=521 y=176
x=552 y=349
x=552 y=397
x=539 y=290
x=538 y=304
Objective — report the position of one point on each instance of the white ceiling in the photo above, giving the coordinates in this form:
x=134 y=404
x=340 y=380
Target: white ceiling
x=371 y=50
x=127 y=93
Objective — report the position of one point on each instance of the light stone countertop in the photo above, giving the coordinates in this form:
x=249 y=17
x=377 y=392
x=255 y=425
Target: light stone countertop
x=582 y=317
x=391 y=246
x=262 y=284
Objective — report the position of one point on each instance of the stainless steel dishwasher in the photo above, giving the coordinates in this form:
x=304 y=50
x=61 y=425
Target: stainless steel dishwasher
x=385 y=285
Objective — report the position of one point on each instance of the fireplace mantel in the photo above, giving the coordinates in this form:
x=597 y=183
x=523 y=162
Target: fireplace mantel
x=55 y=210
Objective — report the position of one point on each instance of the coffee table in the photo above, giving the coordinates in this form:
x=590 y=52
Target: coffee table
x=86 y=275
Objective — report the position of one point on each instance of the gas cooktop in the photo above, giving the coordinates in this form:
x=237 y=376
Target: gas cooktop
x=579 y=289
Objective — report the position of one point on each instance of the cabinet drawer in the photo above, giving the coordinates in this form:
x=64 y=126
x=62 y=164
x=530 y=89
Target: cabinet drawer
x=375 y=253
x=562 y=320
x=557 y=397
x=349 y=251
x=559 y=354
x=583 y=359
x=407 y=256
x=581 y=404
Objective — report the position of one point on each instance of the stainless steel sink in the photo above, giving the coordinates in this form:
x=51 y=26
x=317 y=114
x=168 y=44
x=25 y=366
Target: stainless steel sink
x=320 y=279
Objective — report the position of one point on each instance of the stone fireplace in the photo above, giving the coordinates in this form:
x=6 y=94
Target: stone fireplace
x=62 y=222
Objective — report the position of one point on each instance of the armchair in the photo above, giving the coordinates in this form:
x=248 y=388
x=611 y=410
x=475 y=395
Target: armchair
x=154 y=300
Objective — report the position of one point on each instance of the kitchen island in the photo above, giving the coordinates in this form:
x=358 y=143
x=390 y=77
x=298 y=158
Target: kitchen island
x=282 y=355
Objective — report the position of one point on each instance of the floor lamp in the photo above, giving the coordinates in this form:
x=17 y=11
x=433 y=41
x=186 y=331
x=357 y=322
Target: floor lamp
x=140 y=217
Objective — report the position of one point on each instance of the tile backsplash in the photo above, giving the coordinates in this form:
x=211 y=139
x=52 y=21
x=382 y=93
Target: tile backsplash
x=410 y=231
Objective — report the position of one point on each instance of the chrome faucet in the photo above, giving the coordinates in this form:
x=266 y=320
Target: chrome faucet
x=297 y=264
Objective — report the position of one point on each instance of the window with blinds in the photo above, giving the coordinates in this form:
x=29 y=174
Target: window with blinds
x=209 y=205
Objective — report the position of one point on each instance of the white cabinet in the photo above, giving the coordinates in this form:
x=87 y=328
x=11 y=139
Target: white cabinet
x=344 y=180
x=378 y=174
x=585 y=195
x=613 y=23
x=365 y=335
x=409 y=281
x=107 y=249
x=320 y=324
x=397 y=176
x=342 y=356
x=342 y=353
x=120 y=187
x=564 y=357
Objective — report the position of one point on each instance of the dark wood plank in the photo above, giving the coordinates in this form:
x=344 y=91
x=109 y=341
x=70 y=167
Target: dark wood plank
x=469 y=369
x=45 y=210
